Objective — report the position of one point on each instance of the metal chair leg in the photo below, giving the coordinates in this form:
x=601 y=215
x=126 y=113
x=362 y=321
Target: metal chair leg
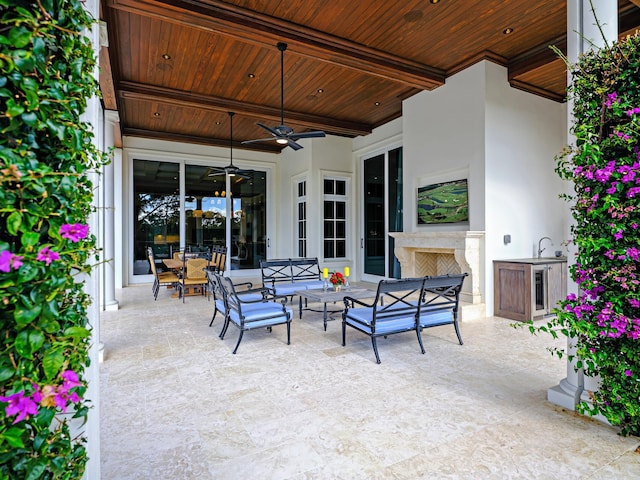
x=375 y=349
x=239 y=340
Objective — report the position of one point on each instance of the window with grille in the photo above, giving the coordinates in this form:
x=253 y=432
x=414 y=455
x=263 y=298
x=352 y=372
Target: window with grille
x=335 y=218
x=301 y=218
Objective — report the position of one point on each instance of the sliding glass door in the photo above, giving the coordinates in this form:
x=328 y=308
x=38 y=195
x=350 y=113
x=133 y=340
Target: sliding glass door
x=182 y=206
x=382 y=206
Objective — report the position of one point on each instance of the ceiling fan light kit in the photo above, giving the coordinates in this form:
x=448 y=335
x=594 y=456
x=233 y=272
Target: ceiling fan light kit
x=283 y=134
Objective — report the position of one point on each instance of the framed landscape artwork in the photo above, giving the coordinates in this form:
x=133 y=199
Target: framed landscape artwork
x=446 y=202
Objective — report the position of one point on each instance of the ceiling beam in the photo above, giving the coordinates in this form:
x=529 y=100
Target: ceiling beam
x=526 y=87
x=152 y=93
x=217 y=142
x=249 y=26
x=537 y=57
x=636 y=3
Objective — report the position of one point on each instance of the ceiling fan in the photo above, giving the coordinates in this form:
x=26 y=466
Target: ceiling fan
x=283 y=134
x=230 y=169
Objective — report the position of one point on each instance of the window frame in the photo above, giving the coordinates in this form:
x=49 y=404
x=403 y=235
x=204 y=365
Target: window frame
x=335 y=199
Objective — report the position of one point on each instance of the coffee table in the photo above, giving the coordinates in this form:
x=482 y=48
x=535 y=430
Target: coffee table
x=328 y=296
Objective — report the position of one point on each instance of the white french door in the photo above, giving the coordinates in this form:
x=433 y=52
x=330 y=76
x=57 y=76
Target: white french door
x=382 y=212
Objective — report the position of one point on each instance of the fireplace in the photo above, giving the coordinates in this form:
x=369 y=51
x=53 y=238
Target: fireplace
x=439 y=253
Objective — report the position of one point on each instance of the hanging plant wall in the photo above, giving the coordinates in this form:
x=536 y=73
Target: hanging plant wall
x=603 y=320
x=47 y=67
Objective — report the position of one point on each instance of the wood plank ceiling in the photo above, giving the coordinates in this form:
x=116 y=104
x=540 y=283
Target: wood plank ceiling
x=174 y=68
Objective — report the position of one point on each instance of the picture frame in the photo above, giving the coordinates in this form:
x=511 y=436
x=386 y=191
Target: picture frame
x=443 y=202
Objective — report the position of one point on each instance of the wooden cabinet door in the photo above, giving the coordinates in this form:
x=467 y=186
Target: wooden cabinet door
x=512 y=290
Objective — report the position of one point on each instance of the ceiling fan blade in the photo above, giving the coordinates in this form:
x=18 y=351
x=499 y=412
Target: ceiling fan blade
x=216 y=172
x=293 y=144
x=271 y=139
x=269 y=129
x=315 y=134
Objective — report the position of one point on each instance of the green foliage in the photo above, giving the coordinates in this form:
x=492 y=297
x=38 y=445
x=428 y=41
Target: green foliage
x=46 y=155
x=604 y=166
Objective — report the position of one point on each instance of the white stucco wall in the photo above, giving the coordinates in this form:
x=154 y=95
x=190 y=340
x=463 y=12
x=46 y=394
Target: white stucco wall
x=524 y=133
x=504 y=141
x=293 y=164
x=443 y=133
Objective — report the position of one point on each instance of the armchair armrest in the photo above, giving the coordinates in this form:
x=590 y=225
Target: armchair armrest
x=351 y=302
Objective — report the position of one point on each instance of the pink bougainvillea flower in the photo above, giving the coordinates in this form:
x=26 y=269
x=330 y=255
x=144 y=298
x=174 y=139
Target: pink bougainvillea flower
x=611 y=99
x=9 y=260
x=613 y=188
x=633 y=192
x=74 y=231
x=20 y=405
x=47 y=256
x=70 y=380
x=628 y=372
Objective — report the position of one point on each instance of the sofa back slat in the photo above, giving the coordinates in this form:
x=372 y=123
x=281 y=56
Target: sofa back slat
x=305 y=269
x=442 y=292
x=275 y=271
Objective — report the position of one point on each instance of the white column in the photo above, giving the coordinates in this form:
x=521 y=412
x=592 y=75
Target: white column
x=583 y=34
x=93 y=115
x=109 y=285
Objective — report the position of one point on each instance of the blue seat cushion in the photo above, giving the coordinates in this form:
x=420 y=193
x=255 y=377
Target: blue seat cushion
x=220 y=306
x=309 y=285
x=249 y=297
x=435 y=318
x=261 y=314
x=287 y=288
x=362 y=317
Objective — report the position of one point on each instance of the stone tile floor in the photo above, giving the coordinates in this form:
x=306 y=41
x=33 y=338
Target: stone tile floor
x=176 y=404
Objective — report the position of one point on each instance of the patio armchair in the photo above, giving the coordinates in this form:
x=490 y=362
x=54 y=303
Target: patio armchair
x=216 y=289
x=249 y=314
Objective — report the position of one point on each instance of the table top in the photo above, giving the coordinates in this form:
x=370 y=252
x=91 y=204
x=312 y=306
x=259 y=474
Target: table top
x=320 y=295
x=172 y=263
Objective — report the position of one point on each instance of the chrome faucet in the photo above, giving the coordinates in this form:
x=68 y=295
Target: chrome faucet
x=540 y=250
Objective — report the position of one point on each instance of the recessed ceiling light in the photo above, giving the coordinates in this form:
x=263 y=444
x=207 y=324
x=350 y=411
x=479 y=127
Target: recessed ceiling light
x=507 y=31
x=320 y=90
x=156 y=114
x=251 y=75
x=434 y=1
x=166 y=56
x=218 y=123
x=377 y=104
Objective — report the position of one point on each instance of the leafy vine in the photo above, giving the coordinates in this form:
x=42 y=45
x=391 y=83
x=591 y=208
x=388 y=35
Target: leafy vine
x=603 y=320
x=47 y=67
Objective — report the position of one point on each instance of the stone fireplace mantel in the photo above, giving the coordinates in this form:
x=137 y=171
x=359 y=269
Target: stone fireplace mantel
x=438 y=253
